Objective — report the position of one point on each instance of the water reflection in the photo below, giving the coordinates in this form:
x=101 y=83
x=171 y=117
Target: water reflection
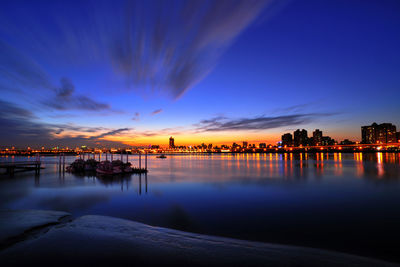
x=289 y=165
x=123 y=180
x=226 y=167
x=267 y=197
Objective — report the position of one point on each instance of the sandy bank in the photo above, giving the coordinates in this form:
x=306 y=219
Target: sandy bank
x=106 y=241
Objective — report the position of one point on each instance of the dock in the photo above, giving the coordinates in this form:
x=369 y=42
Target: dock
x=21 y=166
x=115 y=166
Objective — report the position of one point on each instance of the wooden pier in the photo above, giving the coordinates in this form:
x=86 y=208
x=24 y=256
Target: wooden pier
x=20 y=166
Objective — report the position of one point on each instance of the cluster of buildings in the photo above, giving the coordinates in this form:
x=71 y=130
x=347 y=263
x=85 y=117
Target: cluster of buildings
x=384 y=133
x=373 y=134
x=374 y=137
x=210 y=148
x=300 y=138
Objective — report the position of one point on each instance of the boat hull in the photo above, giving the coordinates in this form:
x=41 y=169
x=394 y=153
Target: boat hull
x=104 y=172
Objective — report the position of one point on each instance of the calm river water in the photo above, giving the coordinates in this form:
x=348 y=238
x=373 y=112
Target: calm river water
x=343 y=202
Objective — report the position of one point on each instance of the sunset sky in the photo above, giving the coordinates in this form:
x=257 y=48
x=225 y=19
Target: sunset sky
x=137 y=72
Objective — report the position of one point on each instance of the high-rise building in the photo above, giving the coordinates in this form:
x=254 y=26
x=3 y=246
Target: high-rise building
x=368 y=133
x=287 y=139
x=262 y=145
x=378 y=133
x=398 y=137
x=317 y=137
x=386 y=133
x=300 y=138
x=245 y=144
x=171 y=142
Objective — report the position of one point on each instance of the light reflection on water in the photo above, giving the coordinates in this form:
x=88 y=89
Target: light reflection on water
x=346 y=202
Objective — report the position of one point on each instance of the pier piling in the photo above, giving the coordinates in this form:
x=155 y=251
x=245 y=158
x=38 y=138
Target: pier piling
x=145 y=180
x=63 y=155
x=145 y=160
x=140 y=184
x=59 y=162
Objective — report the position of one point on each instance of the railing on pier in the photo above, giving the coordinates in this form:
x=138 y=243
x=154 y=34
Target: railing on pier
x=12 y=167
x=112 y=156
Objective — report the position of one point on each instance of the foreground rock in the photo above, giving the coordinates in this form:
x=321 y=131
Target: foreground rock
x=105 y=241
x=17 y=223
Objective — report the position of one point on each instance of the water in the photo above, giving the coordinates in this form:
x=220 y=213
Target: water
x=337 y=201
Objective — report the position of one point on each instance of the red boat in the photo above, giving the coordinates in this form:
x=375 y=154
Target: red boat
x=105 y=167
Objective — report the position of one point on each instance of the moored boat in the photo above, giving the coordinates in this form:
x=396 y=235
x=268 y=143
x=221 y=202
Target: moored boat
x=105 y=167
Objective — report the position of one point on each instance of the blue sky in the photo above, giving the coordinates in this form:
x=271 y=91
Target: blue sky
x=95 y=72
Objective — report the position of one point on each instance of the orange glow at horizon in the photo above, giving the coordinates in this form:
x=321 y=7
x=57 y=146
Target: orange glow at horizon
x=184 y=138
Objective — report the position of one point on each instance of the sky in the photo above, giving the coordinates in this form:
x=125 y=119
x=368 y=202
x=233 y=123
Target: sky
x=127 y=73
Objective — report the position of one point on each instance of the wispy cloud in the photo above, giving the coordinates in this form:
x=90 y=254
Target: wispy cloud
x=20 y=128
x=66 y=99
x=172 y=51
x=157 y=46
x=136 y=116
x=16 y=68
x=220 y=124
x=12 y=111
x=162 y=132
x=300 y=108
x=31 y=79
x=157 y=111
x=110 y=133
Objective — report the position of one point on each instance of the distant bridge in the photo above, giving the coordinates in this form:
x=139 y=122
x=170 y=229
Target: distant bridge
x=356 y=147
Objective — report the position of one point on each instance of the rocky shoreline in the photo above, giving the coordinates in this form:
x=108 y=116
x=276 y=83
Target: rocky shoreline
x=53 y=238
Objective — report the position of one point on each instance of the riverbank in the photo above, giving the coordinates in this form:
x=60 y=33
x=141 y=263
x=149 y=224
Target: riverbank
x=51 y=238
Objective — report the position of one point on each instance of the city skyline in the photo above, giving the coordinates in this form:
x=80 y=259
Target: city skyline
x=235 y=77
x=374 y=134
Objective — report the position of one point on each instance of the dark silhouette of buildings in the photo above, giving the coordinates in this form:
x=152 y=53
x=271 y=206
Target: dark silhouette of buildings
x=317 y=138
x=347 y=142
x=300 y=138
x=245 y=144
x=171 y=142
x=378 y=133
x=287 y=139
x=327 y=141
x=262 y=145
